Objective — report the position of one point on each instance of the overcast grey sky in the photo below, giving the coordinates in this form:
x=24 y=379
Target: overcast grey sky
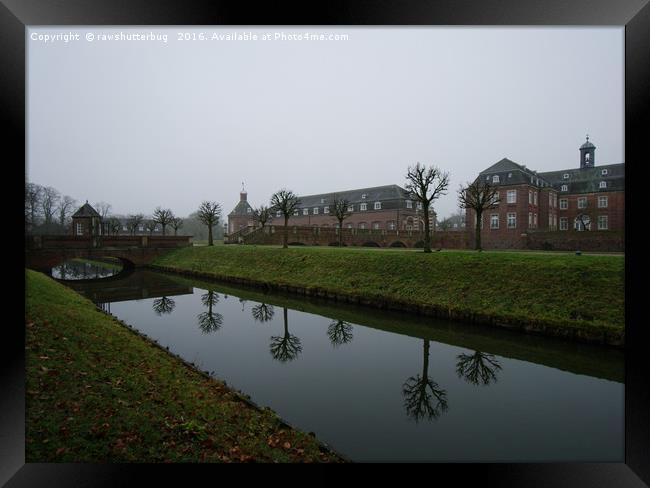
x=142 y=123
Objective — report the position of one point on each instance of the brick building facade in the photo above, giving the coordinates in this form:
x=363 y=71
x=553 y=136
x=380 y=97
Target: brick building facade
x=387 y=207
x=571 y=200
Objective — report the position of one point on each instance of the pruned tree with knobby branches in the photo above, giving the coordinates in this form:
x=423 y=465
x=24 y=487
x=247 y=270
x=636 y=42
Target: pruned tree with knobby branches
x=341 y=211
x=163 y=216
x=263 y=215
x=285 y=202
x=427 y=184
x=176 y=223
x=133 y=221
x=478 y=196
x=209 y=214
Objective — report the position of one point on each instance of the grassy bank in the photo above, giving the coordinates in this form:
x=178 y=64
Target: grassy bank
x=580 y=297
x=98 y=392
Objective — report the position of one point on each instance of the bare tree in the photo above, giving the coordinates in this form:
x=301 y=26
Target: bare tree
x=263 y=312
x=263 y=215
x=209 y=213
x=286 y=347
x=341 y=211
x=163 y=305
x=49 y=202
x=478 y=368
x=479 y=196
x=285 y=202
x=33 y=195
x=103 y=209
x=163 y=216
x=427 y=184
x=423 y=398
x=65 y=208
x=445 y=224
x=150 y=226
x=133 y=221
x=176 y=223
x=339 y=332
x=210 y=320
x=114 y=225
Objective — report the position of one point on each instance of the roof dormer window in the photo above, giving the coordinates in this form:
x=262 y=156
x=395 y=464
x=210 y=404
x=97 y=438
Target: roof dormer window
x=363 y=197
x=495 y=179
x=566 y=176
x=603 y=172
x=565 y=188
x=603 y=184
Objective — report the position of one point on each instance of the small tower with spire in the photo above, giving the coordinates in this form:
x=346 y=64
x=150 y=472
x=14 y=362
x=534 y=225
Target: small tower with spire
x=587 y=154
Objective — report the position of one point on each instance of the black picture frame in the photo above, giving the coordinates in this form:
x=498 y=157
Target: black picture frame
x=16 y=15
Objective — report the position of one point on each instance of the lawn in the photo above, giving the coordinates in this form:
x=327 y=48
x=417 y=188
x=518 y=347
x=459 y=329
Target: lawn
x=97 y=392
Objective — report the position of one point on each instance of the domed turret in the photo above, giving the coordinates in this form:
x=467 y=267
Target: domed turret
x=587 y=154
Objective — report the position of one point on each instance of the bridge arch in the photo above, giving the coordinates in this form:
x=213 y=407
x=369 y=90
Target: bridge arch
x=370 y=244
x=397 y=244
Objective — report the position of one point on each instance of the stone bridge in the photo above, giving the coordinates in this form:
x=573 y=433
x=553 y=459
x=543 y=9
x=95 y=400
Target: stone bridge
x=42 y=253
x=329 y=236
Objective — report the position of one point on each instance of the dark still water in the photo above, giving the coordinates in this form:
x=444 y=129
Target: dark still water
x=381 y=386
x=78 y=269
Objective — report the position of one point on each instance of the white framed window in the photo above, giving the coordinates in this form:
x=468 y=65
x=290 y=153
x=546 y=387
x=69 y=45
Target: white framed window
x=603 y=172
x=564 y=223
x=363 y=197
x=249 y=210
x=565 y=187
x=534 y=220
x=494 y=221
x=555 y=199
x=564 y=203
x=419 y=206
x=530 y=197
x=566 y=176
x=322 y=200
x=603 y=222
x=550 y=199
x=409 y=204
x=80 y=229
x=509 y=175
x=278 y=214
x=582 y=202
x=530 y=219
x=296 y=212
x=349 y=226
x=315 y=210
x=554 y=222
x=326 y=209
x=603 y=184
x=305 y=211
x=140 y=227
x=377 y=205
x=362 y=225
x=375 y=225
x=512 y=196
x=363 y=206
x=512 y=220
x=124 y=227
x=495 y=198
x=495 y=179
x=550 y=221
x=602 y=202
x=534 y=198
x=391 y=225
x=351 y=208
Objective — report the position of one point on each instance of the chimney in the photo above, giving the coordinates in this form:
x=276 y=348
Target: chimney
x=242 y=196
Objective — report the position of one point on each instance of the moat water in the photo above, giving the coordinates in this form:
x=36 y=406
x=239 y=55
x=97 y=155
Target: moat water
x=383 y=386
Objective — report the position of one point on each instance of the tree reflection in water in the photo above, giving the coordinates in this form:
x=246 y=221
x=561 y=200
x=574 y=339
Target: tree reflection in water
x=423 y=398
x=478 y=368
x=163 y=305
x=210 y=321
x=287 y=347
x=263 y=312
x=339 y=332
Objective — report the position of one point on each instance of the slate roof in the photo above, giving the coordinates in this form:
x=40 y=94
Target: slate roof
x=511 y=173
x=241 y=209
x=373 y=194
x=587 y=180
x=587 y=145
x=86 y=210
x=580 y=180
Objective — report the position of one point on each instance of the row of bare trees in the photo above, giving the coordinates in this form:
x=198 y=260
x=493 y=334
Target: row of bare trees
x=46 y=209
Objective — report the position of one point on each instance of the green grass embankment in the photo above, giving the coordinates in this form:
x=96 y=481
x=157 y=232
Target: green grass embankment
x=96 y=391
x=579 y=297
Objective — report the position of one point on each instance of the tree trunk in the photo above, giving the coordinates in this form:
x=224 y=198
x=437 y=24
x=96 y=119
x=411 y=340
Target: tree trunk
x=479 y=216
x=210 y=235
x=427 y=235
x=286 y=232
x=163 y=226
x=340 y=233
